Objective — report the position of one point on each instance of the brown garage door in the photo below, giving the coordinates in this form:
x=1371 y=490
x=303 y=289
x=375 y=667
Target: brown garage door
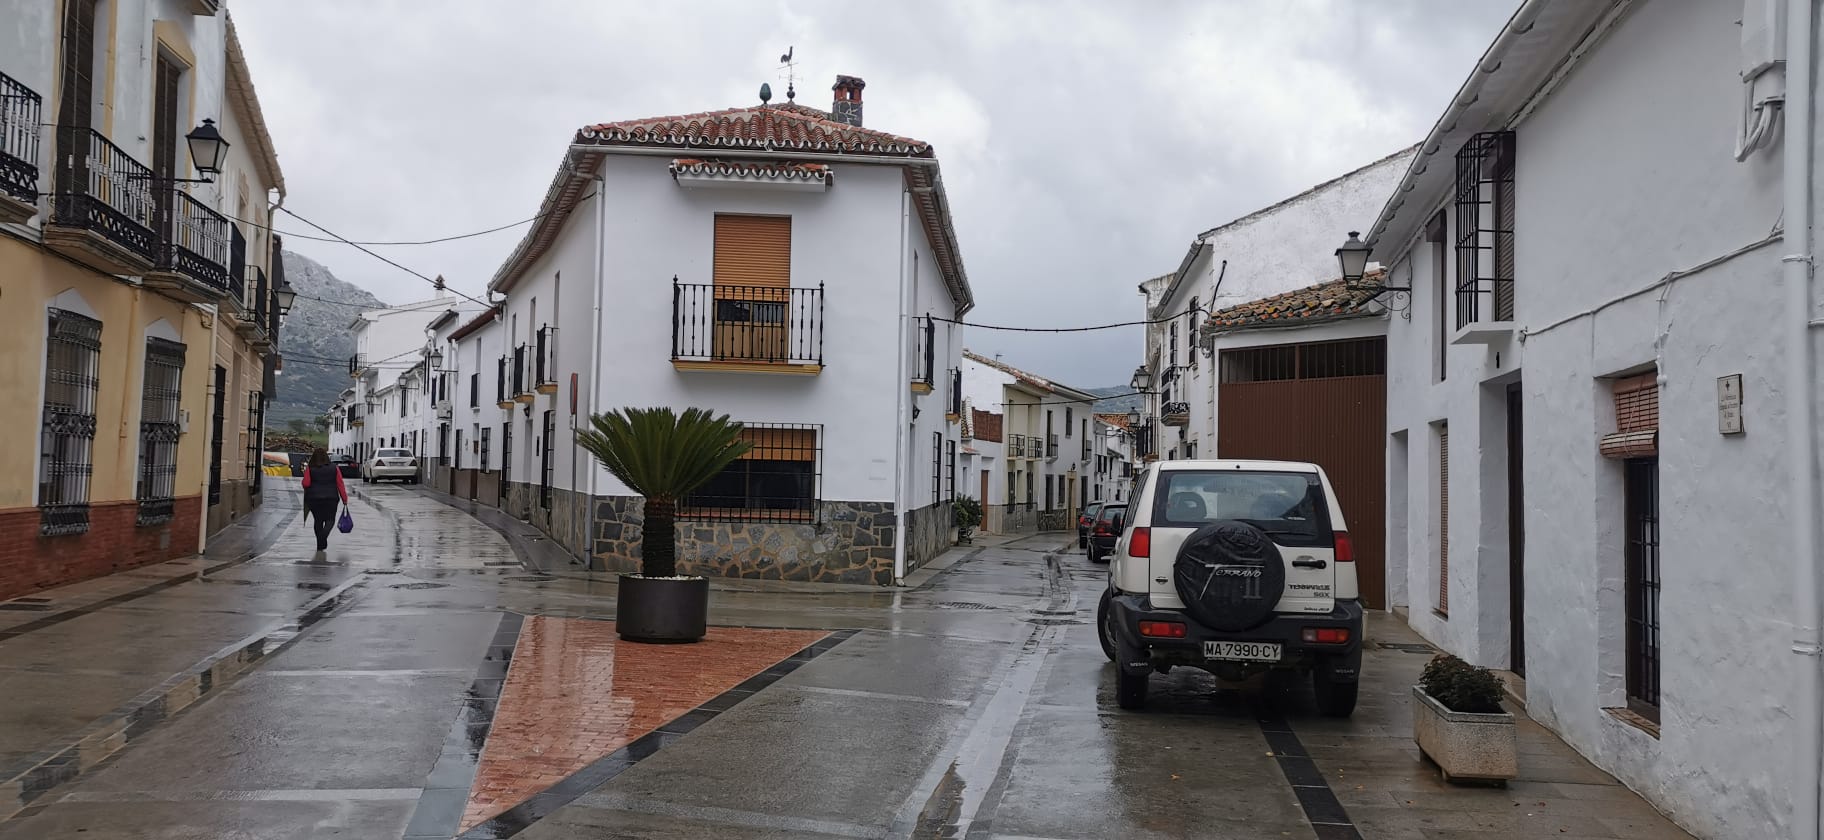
x=1323 y=402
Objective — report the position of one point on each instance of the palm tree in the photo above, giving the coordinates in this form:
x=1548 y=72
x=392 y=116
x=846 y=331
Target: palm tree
x=662 y=456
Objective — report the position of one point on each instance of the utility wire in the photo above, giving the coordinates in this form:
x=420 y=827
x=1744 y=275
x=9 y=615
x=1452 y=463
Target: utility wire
x=364 y=249
x=1148 y=322
x=333 y=238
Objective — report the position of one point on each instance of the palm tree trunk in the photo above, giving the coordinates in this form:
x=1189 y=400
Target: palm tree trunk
x=659 y=539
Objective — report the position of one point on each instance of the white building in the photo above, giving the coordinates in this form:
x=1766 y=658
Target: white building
x=748 y=261
x=1284 y=246
x=475 y=397
x=387 y=406
x=1593 y=477
x=1040 y=474
x=1112 y=467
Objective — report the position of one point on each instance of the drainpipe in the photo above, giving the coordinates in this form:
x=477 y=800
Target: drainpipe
x=1796 y=268
x=902 y=398
x=595 y=348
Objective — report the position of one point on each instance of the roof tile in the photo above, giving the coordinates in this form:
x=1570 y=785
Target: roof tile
x=1327 y=301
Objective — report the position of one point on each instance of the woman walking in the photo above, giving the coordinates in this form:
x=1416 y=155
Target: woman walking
x=323 y=493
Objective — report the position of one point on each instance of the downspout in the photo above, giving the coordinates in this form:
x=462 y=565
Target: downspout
x=902 y=399
x=595 y=348
x=1796 y=268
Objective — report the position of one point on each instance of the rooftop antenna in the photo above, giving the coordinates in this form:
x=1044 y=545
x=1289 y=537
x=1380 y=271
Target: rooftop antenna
x=791 y=74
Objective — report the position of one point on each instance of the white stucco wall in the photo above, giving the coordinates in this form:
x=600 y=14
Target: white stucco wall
x=476 y=363
x=558 y=291
x=1023 y=409
x=1624 y=175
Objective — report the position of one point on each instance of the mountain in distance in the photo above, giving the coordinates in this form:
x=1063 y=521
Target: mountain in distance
x=315 y=340
x=1112 y=404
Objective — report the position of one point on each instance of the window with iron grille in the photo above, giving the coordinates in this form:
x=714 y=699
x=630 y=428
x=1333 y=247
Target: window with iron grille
x=256 y=431
x=777 y=480
x=1048 y=496
x=506 y=452
x=1315 y=360
x=487 y=432
x=1643 y=638
x=1485 y=228
x=458 y=462
x=1190 y=347
x=544 y=478
x=160 y=394
x=1013 y=477
x=71 y=380
x=950 y=474
x=216 y=432
x=937 y=466
x=443 y=443
x=1171 y=356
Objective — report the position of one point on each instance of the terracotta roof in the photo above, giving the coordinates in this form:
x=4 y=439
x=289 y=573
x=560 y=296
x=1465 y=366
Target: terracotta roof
x=1326 y=301
x=476 y=323
x=1116 y=420
x=987 y=425
x=783 y=170
x=1032 y=379
x=785 y=128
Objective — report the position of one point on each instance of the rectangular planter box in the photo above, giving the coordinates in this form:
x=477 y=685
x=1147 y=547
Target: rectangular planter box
x=1464 y=744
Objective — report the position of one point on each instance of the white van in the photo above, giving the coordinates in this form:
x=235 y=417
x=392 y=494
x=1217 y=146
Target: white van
x=1234 y=567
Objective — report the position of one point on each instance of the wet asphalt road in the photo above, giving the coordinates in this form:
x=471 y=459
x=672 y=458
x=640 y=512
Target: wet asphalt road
x=976 y=705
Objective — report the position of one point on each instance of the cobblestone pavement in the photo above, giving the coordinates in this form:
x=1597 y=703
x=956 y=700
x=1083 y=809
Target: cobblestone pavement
x=417 y=681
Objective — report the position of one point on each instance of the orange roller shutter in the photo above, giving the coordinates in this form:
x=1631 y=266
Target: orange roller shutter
x=753 y=251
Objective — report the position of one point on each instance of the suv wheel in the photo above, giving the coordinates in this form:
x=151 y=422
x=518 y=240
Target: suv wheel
x=1105 y=624
x=1335 y=698
x=1130 y=689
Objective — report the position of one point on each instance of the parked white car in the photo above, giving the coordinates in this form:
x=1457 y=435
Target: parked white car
x=1236 y=568
x=396 y=464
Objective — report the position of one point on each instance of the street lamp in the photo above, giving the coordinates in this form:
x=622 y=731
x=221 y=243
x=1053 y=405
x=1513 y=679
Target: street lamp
x=1353 y=257
x=207 y=148
x=1143 y=379
x=284 y=296
x=1133 y=419
x=436 y=359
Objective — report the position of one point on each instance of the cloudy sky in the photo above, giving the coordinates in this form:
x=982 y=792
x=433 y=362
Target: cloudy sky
x=1083 y=143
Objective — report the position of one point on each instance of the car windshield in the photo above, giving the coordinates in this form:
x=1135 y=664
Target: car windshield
x=1287 y=505
x=393 y=453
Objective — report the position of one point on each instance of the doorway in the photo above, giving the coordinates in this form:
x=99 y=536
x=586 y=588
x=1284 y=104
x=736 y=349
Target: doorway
x=1516 y=536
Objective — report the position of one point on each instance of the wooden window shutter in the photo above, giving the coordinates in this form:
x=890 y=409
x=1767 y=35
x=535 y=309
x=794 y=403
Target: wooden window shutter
x=780 y=444
x=753 y=251
x=1444 y=519
x=1636 y=432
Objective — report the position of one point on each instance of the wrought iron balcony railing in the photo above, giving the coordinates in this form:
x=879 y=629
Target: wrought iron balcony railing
x=194 y=240
x=103 y=189
x=544 y=366
x=926 y=358
x=764 y=324
x=357 y=364
x=1051 y=446
x=20 y=118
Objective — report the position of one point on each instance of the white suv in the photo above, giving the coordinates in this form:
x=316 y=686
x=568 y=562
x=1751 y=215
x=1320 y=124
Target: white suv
x=1234 y=567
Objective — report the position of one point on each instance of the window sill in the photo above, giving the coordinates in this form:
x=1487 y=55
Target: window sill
x=1484 y=332
x=1631 y=718
x=748 y=367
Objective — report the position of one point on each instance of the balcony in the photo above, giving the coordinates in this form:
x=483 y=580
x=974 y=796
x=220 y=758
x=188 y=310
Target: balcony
x=761 y=329
x=357 y=365
x=502 y=397
x=923 y=378
x=255 y=299
x=954 y=412
x=1175 y=414
x=20 y=113
x=356 y=415
x=522 y=379
x=193 y=255
x=1016 y=446
x=102 y=210
x=544 y=366
x=1051 y=447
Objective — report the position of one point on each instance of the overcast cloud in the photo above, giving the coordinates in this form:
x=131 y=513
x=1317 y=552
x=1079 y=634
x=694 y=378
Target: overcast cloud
x=1083 y=143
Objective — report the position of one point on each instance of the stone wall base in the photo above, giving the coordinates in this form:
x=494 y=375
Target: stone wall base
x=853 y=543
x=930 y=531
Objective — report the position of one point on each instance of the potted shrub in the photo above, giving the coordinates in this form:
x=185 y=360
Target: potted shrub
x=1458 y=721
x=662 y=456
x=967 y=513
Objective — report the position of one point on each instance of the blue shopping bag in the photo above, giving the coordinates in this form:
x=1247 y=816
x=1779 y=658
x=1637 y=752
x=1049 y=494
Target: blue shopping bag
x=346 y=523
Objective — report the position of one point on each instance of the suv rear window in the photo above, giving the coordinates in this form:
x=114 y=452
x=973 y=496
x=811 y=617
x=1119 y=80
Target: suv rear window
x=1288 y=506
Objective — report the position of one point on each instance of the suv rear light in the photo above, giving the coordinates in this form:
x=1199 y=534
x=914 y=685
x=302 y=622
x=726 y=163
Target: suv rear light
x=1162 y=629
x=1345 y=550
x=1141 y=544
x=1324 y=635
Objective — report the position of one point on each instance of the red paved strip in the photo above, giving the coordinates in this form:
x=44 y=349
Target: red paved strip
x=576 y=693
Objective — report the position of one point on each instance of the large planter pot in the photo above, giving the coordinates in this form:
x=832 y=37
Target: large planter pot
x=1465 y=745
x=662 y=610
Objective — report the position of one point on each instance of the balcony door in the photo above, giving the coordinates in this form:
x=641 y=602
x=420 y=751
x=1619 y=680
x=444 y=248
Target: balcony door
x=164 y=143
x=753 y=278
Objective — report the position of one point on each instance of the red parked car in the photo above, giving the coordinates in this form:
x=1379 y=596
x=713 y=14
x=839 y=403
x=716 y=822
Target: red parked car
x=1084 y=520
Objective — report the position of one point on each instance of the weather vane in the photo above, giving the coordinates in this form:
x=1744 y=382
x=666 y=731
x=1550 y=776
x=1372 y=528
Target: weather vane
x=791 y=74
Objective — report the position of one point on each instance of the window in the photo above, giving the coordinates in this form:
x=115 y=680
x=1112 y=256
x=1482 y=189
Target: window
x=1190 y=347
x=545 y=460
x=1049 y=499
x=1437 y=234
x=775 y=481
x=937 y=466
x=1288 y=505
x=1171 y=356
x=474 y=391
x=458 y=463
x=1443 y=519
x=1641 y=492
x=486 y=433
x=256 y=434
x=1012 y=482
x=506 y=452
x=71 y=381
x=443 y=443
x=950 y=474
x=752 y=275
x=1485 y=228
x=220 y=419
x=78 y=59
x=401 y=403
x=1068 y=422
x=160 y=394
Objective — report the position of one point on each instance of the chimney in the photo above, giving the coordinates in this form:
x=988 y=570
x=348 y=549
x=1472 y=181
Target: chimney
x=847 y=107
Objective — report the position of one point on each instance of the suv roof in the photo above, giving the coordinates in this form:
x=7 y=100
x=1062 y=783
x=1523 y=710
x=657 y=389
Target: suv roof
x=1232 y=464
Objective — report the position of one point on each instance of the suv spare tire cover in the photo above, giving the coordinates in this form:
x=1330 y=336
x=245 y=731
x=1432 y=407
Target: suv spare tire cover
x=1229 y=575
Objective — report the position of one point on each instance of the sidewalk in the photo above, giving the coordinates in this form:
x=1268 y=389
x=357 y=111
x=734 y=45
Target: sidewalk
x=90 y=667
